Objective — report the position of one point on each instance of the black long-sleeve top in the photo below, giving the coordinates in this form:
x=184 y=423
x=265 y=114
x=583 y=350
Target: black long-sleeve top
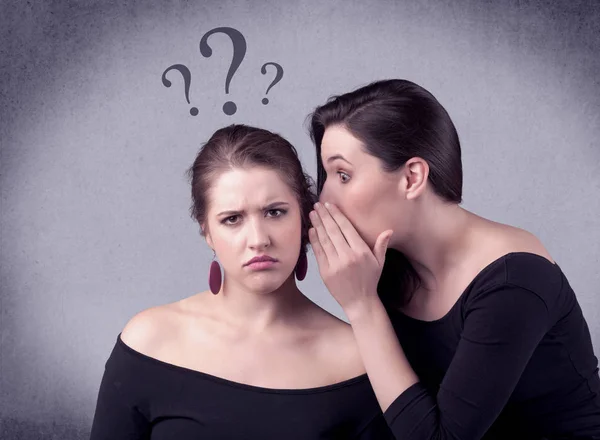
x=141 y=397
x=513 y=359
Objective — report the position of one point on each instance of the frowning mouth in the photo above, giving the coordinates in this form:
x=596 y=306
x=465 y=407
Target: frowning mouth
x=261 y=262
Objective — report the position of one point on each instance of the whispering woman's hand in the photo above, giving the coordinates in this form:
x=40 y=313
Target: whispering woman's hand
x=349 y=268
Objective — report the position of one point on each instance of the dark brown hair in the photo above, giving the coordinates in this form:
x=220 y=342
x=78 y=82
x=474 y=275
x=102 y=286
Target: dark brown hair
x=396 y=120
x=243 y=146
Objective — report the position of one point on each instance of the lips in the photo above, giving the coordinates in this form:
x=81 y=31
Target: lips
x=261 y=259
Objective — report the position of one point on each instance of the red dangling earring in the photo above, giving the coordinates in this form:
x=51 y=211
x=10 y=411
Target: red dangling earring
x=214 y=277
x=301 y=266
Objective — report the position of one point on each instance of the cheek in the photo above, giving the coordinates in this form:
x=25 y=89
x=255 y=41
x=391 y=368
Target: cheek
x=353 y=202
x=228 y=239
x=359 y=212
x=227 y=246
x=362 y=206
x=290 y=229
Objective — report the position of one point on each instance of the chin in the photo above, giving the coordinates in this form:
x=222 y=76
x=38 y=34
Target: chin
x=265 y=283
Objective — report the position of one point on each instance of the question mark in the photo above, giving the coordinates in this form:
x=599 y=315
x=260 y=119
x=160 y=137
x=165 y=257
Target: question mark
x=187 y=80
x=239 y=51
x=278 y=77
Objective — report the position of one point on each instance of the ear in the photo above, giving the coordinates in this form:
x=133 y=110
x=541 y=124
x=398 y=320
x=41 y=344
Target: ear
x=414 y=180
x=207 y=236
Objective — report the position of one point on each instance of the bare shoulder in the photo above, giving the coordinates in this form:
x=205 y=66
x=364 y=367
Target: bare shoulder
x=149 y=329
x=338 y=347
x=524 y=241
x=347 y=347
x=509 y=239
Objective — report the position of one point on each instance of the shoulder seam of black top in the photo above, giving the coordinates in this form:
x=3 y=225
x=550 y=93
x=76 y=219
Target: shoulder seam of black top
x=506 y=282
x=538 y=256
x=530 y=291
x=470 y=291
x=357 y=380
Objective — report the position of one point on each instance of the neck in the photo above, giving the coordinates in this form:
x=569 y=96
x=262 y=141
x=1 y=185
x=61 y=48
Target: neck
x=253 y=313
x=438 y=241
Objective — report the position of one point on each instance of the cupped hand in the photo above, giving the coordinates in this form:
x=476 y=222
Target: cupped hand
x=348 y=267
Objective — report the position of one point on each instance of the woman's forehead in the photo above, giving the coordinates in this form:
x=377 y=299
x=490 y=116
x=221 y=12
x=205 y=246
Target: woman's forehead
x=249 y=187
x=337 y=140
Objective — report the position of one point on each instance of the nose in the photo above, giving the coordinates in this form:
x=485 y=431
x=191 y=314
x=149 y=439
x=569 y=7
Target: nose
x=258 y=235
x=326 y=195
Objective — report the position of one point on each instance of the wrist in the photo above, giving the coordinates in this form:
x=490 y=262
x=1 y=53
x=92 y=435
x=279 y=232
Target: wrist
x=364 y=309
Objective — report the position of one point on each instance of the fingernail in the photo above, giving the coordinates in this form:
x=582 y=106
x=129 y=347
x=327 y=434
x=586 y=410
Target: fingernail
x=317 y=205
x=327 y=205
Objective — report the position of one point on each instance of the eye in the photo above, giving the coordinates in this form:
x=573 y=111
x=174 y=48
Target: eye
x=231 y=220
x=344 y=177
x=275 y=212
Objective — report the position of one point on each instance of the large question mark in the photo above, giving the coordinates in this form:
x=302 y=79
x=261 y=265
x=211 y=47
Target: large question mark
x=239 y=51
x=187 y=80
x=278 y=77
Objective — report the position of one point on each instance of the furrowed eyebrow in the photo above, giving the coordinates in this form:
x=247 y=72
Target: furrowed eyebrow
x=276 y=205
x=266 y=208
x=229 y=213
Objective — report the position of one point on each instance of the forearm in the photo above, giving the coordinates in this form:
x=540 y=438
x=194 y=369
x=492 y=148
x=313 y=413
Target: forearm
x=389 y=371
x=505 y=325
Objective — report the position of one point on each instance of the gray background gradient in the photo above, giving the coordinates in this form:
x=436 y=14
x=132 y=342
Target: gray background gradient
x=94 y=202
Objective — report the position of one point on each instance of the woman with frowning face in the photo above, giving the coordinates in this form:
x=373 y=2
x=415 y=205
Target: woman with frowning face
x=254 y=226
x=252 y=357
x=468 y=328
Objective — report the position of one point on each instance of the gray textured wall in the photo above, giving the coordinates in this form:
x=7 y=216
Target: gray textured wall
x=94 y=147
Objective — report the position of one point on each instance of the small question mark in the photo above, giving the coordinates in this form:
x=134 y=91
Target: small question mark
x=239 y=51
x=278 y=77
x=187 y=80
